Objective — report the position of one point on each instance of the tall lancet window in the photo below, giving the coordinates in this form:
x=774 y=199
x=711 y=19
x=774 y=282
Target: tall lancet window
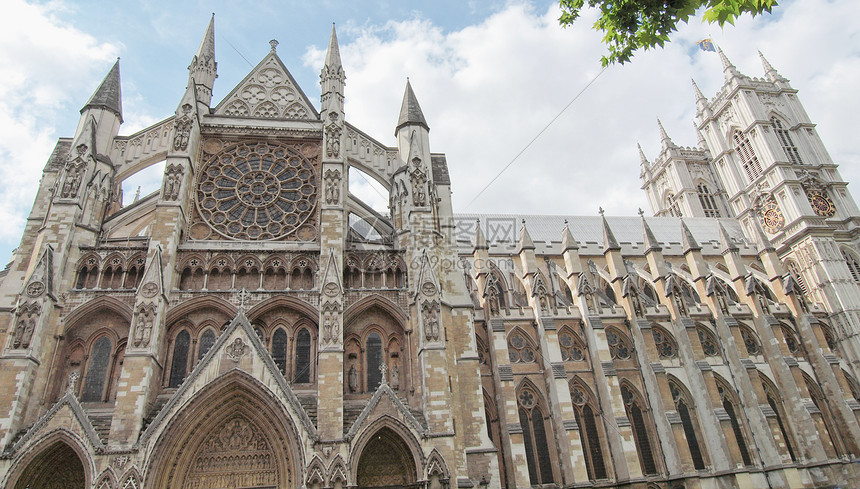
x=706 y=198
x=747 y=156
x=786 y=142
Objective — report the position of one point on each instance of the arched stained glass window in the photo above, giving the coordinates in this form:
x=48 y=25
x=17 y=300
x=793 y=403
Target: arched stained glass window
x=786 y=142
x=729 y=406
x=710 y=345
x=775 y=403
x=586 y=419
x=853 y=265
x=748 y=159
x=619 y=345
x=572 y=349
x=640 y=431
x=279 y=349
x=706 y=198
x=303 y=357
x=179 y=365
x=207 y=339
x=535 y=439
x=374 y=360
x=97 y=371
x=520 y=350
x=684 y=406
x=666 y=346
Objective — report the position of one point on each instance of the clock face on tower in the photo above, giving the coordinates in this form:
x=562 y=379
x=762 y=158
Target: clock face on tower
x=771 y=217
x=821 y=203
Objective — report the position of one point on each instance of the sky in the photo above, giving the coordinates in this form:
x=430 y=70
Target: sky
x=490 y=77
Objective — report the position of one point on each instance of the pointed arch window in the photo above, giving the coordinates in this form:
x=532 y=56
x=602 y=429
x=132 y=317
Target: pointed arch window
x=279 y=349
x=586 y=418
x=672 y=205
x=685 y=408
x=619 y=345
x=750 y=341
x=817 y=396
x=748 y=159
x=794 y=270
x=666 y=346
x=829 y=336
x=791 y=340
x=572 y=348
x=535 y=438
x=640 y=431
x=710 y=344
x=706 y=198
x=179 y=363
x=853 y=265
x=729 y=404
x=303 y=357
x=374 y=360
x=97 y=371
x=785 y=141
x=520 y=349
x=207 y=339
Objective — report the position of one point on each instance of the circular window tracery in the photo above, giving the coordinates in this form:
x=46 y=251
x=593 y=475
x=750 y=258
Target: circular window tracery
x=257 y=191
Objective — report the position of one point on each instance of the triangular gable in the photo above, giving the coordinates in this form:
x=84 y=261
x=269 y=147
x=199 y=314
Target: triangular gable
x=41 y=279
x=67 y=402
x=331 y=277
x=385 y=395
x=268 y=92
x=427 y=283
x=152 y=284
x=235 y=345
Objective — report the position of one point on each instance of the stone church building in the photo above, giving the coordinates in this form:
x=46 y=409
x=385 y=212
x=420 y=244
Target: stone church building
x=252 y=324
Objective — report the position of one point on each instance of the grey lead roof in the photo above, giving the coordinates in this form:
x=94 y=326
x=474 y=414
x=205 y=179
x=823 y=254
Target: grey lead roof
x=410 y=111
x=109 y=93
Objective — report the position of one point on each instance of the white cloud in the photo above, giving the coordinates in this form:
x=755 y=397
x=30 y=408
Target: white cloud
x=488 y=89
x=48 y=68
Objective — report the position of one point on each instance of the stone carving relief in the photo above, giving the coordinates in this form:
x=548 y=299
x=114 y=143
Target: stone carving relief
x=28 y=317
x=267 y=93
x=430 y=316
x=236 y=350
x=72 y=386
x=182 y=129
x=144 y=321
x=234 y=455
x=331 y=323
x=172 y=182
x=332 y=187
x=332 y=137
x=352 y=378
x=419 y=184
x=74 y=175
x=35 y=289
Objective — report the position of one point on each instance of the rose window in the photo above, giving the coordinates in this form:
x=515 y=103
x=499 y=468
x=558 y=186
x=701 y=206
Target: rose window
x=259 y=191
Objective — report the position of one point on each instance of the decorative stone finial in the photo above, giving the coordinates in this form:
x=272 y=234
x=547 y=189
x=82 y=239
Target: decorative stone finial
x=72 y=388
x=243 y=296
x=600 y=211
x=274 y=44
x=383 y=369
x=641 y=212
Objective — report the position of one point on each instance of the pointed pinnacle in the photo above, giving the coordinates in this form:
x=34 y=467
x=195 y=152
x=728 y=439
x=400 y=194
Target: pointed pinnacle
x=568 y=242
x=332 y=57
x=728 y=68
x=642 y=158
x=410 y=111
x=725 y=240
x=664 y=136
x=526 y=242
x=609 y=241
x=109 y=93
x=651 y=243
x=769 y=70
x=687 y=239
x=762 y=243
x=206 y=50
x=480 y=240
x=699 y=96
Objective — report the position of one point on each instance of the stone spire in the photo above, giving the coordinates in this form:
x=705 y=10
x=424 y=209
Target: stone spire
x=480 y=240
x=410 y=111
x=699 y=96
x=726 y=241
x=332 y=57
x=728 y=68
x=651 y=243
x=203 y=69
x=762 y=243
x=642 y=158
x=687 y=239
x=332 y=79
x=609 y=241
x=526 y=242
x=769 y=70
x=664 y=137
x=108 y=95
x=568 y=242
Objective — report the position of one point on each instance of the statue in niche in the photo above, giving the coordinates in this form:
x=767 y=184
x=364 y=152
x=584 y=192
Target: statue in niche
x=72 y=182
x=143 y=326
x=419 y=188
x=395 y=376
x=353 y=378
x=332 y=187
x=431 y=321
x=333 y=139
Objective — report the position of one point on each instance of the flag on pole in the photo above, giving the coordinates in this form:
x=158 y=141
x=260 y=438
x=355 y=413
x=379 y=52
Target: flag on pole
x=706 y=45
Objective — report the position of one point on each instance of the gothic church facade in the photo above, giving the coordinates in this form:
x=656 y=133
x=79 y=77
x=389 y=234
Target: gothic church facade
x=252 y=324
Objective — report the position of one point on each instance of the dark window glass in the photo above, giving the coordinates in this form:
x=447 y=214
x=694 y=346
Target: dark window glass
x=542 y=447
x=206 y=342
x=530 y=451
x=782 y=428
x=374 y=360
x=593 y=441
x=739 y=434
x=649 y=467
x=303 y=357
x=279 y=349
x=94 y=385
x=690 y=433
x=179 y=365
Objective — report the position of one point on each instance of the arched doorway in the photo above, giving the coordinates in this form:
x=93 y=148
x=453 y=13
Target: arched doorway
x=228 y=438
x=58 y=467
x=386 y=462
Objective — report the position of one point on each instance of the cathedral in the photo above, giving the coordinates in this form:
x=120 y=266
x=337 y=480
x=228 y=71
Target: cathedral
x=252 y=324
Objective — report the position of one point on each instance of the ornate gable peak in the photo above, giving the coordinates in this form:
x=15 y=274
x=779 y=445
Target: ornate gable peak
x=427 y=284
x=382 y=393
x=331 y=278
x=236 y=342
x=268 y=92
x=78 y=414
x=152 y=284
x=539 y=287
x=41 y=279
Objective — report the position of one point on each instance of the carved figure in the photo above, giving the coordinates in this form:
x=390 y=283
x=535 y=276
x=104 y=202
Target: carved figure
x=143 y=326
x=353 y=378
x=332 y=141
x=332 y=187
x=395 y=376
x=431 y=321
